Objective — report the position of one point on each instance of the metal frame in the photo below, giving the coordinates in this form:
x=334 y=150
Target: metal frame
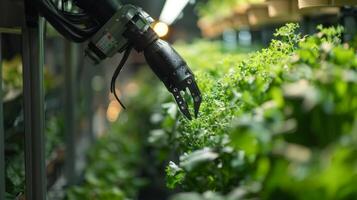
x=33 y=62
x=71 y=64
x=309 y=22
x=2 y=133
x=88 y=74
x=32 y=28
x=348 y=19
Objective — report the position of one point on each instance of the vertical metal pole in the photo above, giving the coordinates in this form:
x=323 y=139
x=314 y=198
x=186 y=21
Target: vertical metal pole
x=348 y=20
x=71 y=62
x=2 y=134
x=88 y=96
x=33 y=62
x=90 y=106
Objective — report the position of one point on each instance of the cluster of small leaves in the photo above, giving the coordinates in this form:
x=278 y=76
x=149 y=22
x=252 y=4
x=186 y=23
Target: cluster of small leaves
x=230 y=95
x=280 y=122
x=12 y=74
x=12 y=78
x=109 y=174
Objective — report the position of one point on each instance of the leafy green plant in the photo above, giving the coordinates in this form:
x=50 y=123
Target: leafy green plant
x=15 y=160
x=114 y=162
x=12 y=78
x=110 y=174
x=293 y=103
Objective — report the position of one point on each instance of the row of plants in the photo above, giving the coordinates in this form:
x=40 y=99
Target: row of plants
x=279 y=123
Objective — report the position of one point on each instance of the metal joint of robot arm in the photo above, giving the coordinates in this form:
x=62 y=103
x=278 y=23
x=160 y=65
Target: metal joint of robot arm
x=109 y=40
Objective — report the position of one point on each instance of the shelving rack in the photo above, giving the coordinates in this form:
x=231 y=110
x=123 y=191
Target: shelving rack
x=261 y=19
x=7 y=26
x=31 y=27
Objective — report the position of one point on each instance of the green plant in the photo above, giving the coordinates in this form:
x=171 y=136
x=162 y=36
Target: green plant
x=12 y=75
x=111 y=172
x=114 y=162
x=15 y=159
x=279 y=123
x=293 y=103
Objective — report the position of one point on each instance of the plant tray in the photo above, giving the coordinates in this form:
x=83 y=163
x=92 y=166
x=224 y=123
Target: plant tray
x=258 y=14
x=325 y=3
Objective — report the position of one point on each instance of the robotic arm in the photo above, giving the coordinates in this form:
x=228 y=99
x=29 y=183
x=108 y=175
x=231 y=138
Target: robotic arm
x=111 y=28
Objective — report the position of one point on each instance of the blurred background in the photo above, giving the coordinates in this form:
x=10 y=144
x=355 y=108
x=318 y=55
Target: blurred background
x=278 y=119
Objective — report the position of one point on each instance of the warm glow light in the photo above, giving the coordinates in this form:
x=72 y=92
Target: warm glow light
x=172 y=9
x=113 y=111
x=161 y=29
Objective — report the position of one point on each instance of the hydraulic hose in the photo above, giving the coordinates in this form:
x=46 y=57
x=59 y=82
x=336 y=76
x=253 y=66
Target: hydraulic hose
x=100 y=10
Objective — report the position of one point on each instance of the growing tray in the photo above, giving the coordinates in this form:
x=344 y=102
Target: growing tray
x=283 y=8
x=325 y=3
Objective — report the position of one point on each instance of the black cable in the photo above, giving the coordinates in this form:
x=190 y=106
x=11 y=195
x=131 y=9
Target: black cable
x=48 y=9
x=49 y=4
x=73 y=28
x=81 y=21
x=117 y=72
x=80 y=16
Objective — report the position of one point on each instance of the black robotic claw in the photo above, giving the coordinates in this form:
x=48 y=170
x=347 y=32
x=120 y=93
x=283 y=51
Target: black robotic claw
x=173 y=71
x=112 y=27
x=195 y=93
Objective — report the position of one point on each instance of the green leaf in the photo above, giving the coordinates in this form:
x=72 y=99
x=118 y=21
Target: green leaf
x=191 y=160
